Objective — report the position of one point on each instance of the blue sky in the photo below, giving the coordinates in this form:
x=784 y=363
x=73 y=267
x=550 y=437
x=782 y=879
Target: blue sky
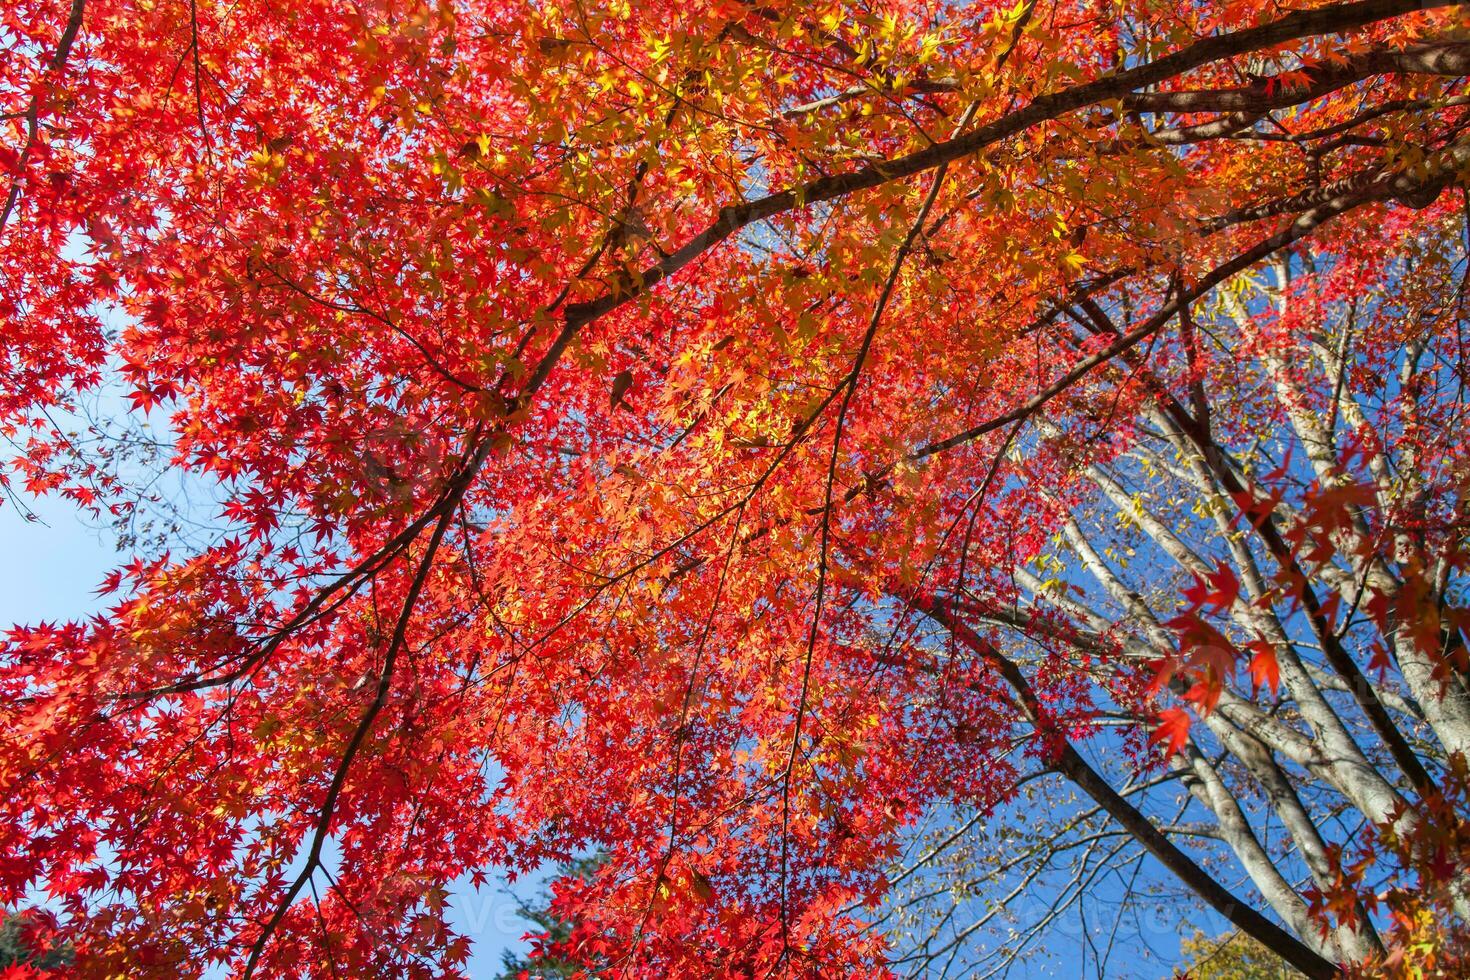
x=54 y=563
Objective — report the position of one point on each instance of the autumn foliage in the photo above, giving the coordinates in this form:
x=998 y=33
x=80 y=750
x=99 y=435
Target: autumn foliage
x=718 y=433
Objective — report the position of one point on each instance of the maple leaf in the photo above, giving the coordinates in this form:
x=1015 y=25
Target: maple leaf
x=1171 y=729
x=1264 y=670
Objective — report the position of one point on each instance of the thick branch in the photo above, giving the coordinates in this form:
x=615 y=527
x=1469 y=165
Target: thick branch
x=1070 y=763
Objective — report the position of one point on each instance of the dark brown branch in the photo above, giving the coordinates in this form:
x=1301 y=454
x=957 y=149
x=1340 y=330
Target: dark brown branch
x=1337 y=18
x=850 y=386
x=1451 y=58
x=359 y=735
x=33 y=111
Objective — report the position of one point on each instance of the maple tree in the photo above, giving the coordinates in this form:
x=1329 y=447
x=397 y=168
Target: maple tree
x=647 y=426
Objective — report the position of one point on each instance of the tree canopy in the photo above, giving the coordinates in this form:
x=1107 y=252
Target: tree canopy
x=724 y=435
